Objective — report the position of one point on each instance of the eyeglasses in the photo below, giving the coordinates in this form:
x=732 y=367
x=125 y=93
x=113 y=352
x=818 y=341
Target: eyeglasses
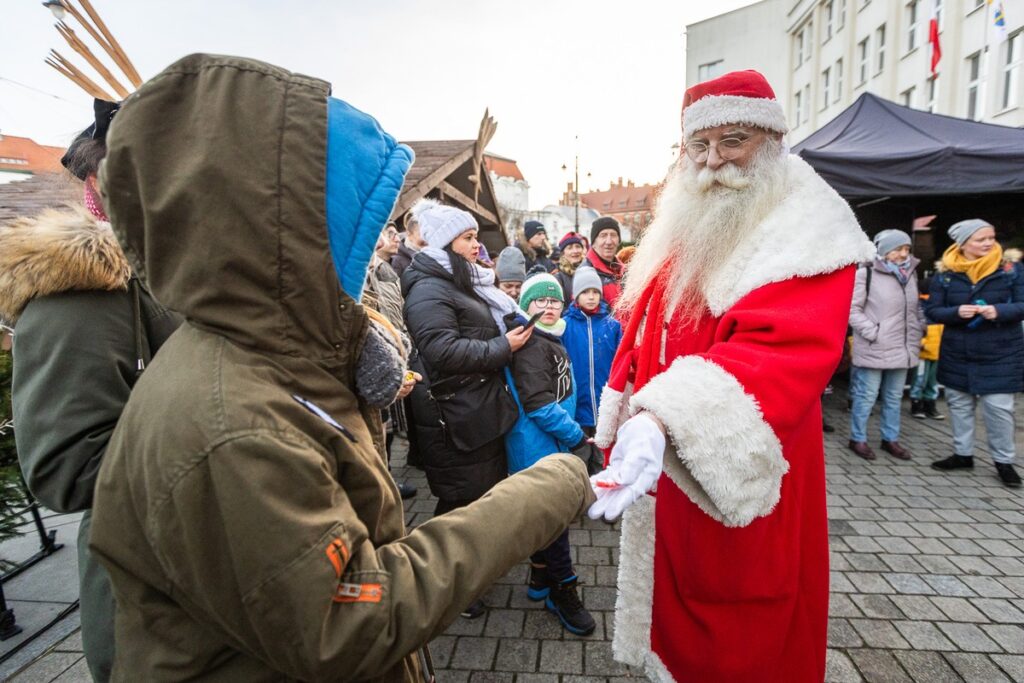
x=391 y=234
x=728 y=148
x=548 y=302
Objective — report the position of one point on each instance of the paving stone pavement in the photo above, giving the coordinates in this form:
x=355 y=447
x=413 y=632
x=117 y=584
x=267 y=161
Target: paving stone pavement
x=927 y=580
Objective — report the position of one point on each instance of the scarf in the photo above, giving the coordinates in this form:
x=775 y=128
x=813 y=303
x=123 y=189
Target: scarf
x=93 y=203
x=900 y=270
x=977 y=269
x=499 y=303
x=556 y=330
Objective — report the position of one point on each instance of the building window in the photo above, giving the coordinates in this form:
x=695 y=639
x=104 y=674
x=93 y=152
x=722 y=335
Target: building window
x=938 y=13
x=912 y=23
x=806 y=111
x=803 y=44
x=797 y=107
x=907 y=97
x=705 y=72
x=837 y=91
x=933 y=94
x=975 y=88
x=1011 y=69
x=880 y=46
x=976 y=4
x=826 y=78
x=863 y=58
x=828 y=9
x=840 y=15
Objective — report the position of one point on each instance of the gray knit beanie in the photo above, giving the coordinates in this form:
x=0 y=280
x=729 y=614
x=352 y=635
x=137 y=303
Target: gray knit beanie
x=887 y=240
x=962 y=231
x=511 y=265
x=584 y=279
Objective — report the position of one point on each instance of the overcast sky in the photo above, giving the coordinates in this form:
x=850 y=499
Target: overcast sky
x=612 y=73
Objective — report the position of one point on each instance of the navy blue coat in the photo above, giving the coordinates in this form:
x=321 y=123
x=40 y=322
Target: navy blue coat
x=983 y=357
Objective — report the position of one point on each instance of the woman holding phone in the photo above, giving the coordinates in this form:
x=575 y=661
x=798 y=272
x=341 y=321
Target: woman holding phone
x=980 y=301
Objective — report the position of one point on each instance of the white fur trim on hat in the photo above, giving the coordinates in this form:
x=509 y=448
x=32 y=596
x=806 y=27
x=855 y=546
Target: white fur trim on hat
x=719 y=110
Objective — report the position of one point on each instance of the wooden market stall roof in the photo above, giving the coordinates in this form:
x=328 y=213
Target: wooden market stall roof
x=38 y=192
x=454 y=171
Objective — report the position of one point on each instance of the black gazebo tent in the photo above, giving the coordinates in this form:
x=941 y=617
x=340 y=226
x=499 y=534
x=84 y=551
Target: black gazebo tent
x=894 y=164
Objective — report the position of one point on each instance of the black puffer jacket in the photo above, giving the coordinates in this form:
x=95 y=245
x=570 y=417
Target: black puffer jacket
x=456 y=338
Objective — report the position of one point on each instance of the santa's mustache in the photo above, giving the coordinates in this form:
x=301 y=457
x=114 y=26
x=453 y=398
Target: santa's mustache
x=728 y=176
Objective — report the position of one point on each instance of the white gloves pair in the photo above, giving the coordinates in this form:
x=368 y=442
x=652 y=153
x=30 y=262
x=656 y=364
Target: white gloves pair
x=633 y=469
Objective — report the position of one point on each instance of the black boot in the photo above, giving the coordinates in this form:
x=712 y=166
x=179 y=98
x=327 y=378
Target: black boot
x=568 y=607
x=540 y=584
x=917 y=408
x=1008 y=475
x=954 y=462
x=474 y=610
x=406 y=491
x=932 y=412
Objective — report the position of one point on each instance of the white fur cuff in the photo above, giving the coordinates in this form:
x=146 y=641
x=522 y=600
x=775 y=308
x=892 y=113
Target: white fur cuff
x=719 y=110
x=613 y=411
x=733 y=460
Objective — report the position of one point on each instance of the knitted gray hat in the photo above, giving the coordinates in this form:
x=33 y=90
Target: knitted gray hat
x=439 y=223
x=511 y=265
x=962 y=231
x=887 y=240
x=584 y=279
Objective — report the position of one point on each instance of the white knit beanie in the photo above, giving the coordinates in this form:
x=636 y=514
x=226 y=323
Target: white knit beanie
x=441 y=224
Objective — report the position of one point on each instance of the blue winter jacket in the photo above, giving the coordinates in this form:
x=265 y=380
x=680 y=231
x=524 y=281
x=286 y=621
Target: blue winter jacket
x=540 y=378
x=591 y=341
x=979 y=356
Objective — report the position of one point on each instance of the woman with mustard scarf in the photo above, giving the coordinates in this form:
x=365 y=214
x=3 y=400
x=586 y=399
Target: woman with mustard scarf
x=980 y=300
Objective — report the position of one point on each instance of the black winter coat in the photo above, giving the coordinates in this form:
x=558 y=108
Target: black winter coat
x=402 y=259
x=455 y=336
x=980 y=356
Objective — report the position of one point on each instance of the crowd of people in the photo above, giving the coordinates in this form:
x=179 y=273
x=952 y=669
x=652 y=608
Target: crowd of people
x=215 y=372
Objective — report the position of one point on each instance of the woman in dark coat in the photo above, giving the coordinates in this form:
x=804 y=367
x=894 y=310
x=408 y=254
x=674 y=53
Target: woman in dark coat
x=454 y=314
x=980 y=301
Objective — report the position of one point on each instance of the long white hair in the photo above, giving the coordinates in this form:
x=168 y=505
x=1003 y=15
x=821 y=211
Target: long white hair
x=701 y=217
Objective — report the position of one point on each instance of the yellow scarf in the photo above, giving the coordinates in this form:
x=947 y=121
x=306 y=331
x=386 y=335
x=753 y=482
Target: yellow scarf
x=977 y=269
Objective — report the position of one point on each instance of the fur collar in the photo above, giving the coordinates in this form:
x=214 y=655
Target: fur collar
x=811 y=232
x=57 y=251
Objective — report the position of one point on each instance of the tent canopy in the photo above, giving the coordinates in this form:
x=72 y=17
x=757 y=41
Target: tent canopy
x=878 y=148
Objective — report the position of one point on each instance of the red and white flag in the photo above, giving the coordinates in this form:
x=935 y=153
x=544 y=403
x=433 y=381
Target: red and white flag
x=933 y=38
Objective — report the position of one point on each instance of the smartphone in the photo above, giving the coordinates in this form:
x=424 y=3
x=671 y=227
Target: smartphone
x=533 y=321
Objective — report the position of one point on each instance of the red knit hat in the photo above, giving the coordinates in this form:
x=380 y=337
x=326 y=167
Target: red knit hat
x=742 y=97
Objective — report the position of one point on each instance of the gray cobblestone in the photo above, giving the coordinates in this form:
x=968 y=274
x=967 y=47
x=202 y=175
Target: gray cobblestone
x=504 y=623
x=928 y=667
x=842 y=634
x=908 y=584
x=976 y=668
x=878 y=633
x=879 y=666
x=1013 y=665
x=923 y=635
x=564 y=657
x=968 y=637
x=598 y=660
x=517 y=655
x=917 y=607
x=474 y=653
x=948 y=585
x=999 y=611
x=1009 y=637
x=839 y=668
x=959 y=609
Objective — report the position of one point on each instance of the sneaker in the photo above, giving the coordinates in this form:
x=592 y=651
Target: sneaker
x=474 y=610
x=1008 y=475
x=931 y=412
x=406 y=491
x=917 y=409
x=568 y=607
x=954 y=462
x=540 y=584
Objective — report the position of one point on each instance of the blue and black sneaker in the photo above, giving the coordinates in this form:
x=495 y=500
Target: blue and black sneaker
x=568 y=607
x=540 y=585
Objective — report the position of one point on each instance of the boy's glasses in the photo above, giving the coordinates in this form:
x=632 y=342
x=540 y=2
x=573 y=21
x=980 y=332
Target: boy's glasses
x=548 y=302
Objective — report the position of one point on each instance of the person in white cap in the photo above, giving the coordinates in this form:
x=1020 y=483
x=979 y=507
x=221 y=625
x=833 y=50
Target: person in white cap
x=736 y=304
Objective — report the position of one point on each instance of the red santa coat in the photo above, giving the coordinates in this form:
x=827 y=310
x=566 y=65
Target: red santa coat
x=723 y=574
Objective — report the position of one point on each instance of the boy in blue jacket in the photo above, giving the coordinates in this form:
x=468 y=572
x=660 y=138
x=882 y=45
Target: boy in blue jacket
x=591 y=337
x=540 y=378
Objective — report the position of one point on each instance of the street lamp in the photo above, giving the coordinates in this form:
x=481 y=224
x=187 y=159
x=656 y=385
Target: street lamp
x=576 y=183
x=57 y=8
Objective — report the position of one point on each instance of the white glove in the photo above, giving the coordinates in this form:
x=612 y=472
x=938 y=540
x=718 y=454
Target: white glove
x=633 y=469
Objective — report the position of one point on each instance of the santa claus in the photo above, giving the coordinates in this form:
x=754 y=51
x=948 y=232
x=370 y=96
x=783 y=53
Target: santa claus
x=736 y=304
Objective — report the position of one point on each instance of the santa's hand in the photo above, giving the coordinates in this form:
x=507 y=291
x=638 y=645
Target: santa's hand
x=633 y=469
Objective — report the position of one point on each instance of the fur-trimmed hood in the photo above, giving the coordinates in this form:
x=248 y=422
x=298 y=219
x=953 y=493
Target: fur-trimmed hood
x=57 y=251
x=812 y=231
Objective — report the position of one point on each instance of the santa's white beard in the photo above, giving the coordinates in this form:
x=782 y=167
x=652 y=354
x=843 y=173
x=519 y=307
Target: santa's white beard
x=701 y=218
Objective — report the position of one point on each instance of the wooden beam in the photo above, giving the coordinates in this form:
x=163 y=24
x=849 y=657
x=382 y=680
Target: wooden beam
x=468 y=202
x=420 y=189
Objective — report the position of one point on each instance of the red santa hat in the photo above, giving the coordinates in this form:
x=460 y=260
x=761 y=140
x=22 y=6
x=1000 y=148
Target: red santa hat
x=742 y=97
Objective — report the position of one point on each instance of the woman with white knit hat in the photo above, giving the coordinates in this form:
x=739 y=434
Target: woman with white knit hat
x=455 y=315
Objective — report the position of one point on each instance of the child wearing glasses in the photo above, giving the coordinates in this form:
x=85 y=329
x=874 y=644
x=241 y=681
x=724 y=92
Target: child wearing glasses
x=591 y=338
x=540 y=377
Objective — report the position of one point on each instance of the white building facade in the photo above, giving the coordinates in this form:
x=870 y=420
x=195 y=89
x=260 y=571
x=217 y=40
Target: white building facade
x=835 y=50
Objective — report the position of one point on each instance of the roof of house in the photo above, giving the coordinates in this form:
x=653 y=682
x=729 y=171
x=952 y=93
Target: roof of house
x=26 y=155
x=620 y=198
x=503 y=167
x=41 y=191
